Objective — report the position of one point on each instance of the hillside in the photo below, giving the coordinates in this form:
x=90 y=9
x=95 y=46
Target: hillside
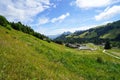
x=25 y=57
x=102 y=33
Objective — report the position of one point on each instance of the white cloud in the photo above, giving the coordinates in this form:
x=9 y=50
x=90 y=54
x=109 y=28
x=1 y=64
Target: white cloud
x=93 y=3
x=22 y=10
x=65 y=29
x=60 y=18
x=106 y=22
x=43 y=21
x=108 y=13
x=81 y=28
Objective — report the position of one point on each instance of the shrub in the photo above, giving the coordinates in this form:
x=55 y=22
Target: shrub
x=8 y=27
x=48 y=40
x=100 y=60
x=3 y=21
x=7 y=32
x=58 y=42
x=107 y=45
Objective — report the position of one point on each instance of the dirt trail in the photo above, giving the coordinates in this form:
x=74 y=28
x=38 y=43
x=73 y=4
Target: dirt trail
x=104 y=51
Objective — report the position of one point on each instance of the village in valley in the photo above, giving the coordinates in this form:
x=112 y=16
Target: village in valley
x=81 y=46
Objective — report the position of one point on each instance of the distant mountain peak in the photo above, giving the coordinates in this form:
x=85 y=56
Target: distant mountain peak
x=53 y=36
x=97 y=35
x=67 y=33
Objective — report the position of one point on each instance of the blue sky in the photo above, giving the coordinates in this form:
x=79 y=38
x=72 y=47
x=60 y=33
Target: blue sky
x=51 y=17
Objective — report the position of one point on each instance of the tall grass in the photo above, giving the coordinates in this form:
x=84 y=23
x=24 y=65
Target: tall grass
x=24 y=57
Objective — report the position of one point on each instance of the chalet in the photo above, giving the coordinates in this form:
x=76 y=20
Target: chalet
x=84 y=48
x=71 y=45
x=79 y=46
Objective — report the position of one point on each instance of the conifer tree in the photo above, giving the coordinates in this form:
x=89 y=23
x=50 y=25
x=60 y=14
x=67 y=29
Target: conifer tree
x=107 y=45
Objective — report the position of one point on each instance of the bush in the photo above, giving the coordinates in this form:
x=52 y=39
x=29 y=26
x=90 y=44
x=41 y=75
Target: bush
x=58 y=42
x=107 y=45
x=48 y=40
x=100 y=60
x=8 y=27
x=7 y=32
x=3 y=21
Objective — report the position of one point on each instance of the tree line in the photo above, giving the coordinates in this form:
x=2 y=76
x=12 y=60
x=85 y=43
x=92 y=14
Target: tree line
x=21 y=27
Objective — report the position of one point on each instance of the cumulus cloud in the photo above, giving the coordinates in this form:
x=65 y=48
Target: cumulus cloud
x=43 y=21
x=22 y=10
x=108 y=13
x=93 y=3
x=60 y=18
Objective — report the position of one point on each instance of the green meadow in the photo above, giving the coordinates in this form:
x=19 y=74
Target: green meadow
x=25 y=57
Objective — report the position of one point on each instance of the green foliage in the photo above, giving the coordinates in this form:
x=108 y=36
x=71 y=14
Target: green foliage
x=115 y=44
x=8 y=27
x=21 y=27
x=48 y=40
x=26 y=29
x=107 y=45
x=100 y=60
x=3 y=21
x=58 y=42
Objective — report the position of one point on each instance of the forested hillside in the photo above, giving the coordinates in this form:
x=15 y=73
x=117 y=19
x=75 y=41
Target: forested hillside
x=97 y=35
x=21 y=27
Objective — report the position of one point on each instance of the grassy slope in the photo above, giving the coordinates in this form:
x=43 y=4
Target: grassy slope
x=24 y=57
x=114 y=51
x=84 y=35
x=111 y=34
x=88 y=34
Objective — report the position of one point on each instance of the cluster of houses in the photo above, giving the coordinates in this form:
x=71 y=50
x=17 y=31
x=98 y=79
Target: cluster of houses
x=79 y=46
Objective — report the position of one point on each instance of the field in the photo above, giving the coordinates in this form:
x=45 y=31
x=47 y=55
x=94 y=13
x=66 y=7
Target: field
x=24 y=57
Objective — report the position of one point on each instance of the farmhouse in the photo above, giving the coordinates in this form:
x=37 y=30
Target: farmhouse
x=79 y=46
x=71 y=45
x=84 y=48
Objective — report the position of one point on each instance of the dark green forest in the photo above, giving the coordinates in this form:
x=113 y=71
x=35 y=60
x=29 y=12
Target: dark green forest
x=21 y=27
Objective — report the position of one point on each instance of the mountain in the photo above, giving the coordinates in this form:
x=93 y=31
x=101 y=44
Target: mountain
x=53 y=36
x=98 y=34
x=57 y=35
x=66 y=33
x=26 y=57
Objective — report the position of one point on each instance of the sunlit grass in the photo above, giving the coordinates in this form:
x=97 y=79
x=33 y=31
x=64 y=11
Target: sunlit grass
x=24 y=57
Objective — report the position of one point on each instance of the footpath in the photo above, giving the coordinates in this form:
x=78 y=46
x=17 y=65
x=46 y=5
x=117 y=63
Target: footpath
x=104 y=51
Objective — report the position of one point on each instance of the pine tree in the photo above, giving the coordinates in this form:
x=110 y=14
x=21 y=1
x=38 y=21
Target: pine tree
x=107 y=45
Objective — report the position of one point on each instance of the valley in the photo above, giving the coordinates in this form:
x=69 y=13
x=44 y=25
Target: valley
x=24 y=56
x=59 y=39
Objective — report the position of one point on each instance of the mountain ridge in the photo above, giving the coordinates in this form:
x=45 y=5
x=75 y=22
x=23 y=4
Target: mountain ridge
x=110 y=31
x=26 y=57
